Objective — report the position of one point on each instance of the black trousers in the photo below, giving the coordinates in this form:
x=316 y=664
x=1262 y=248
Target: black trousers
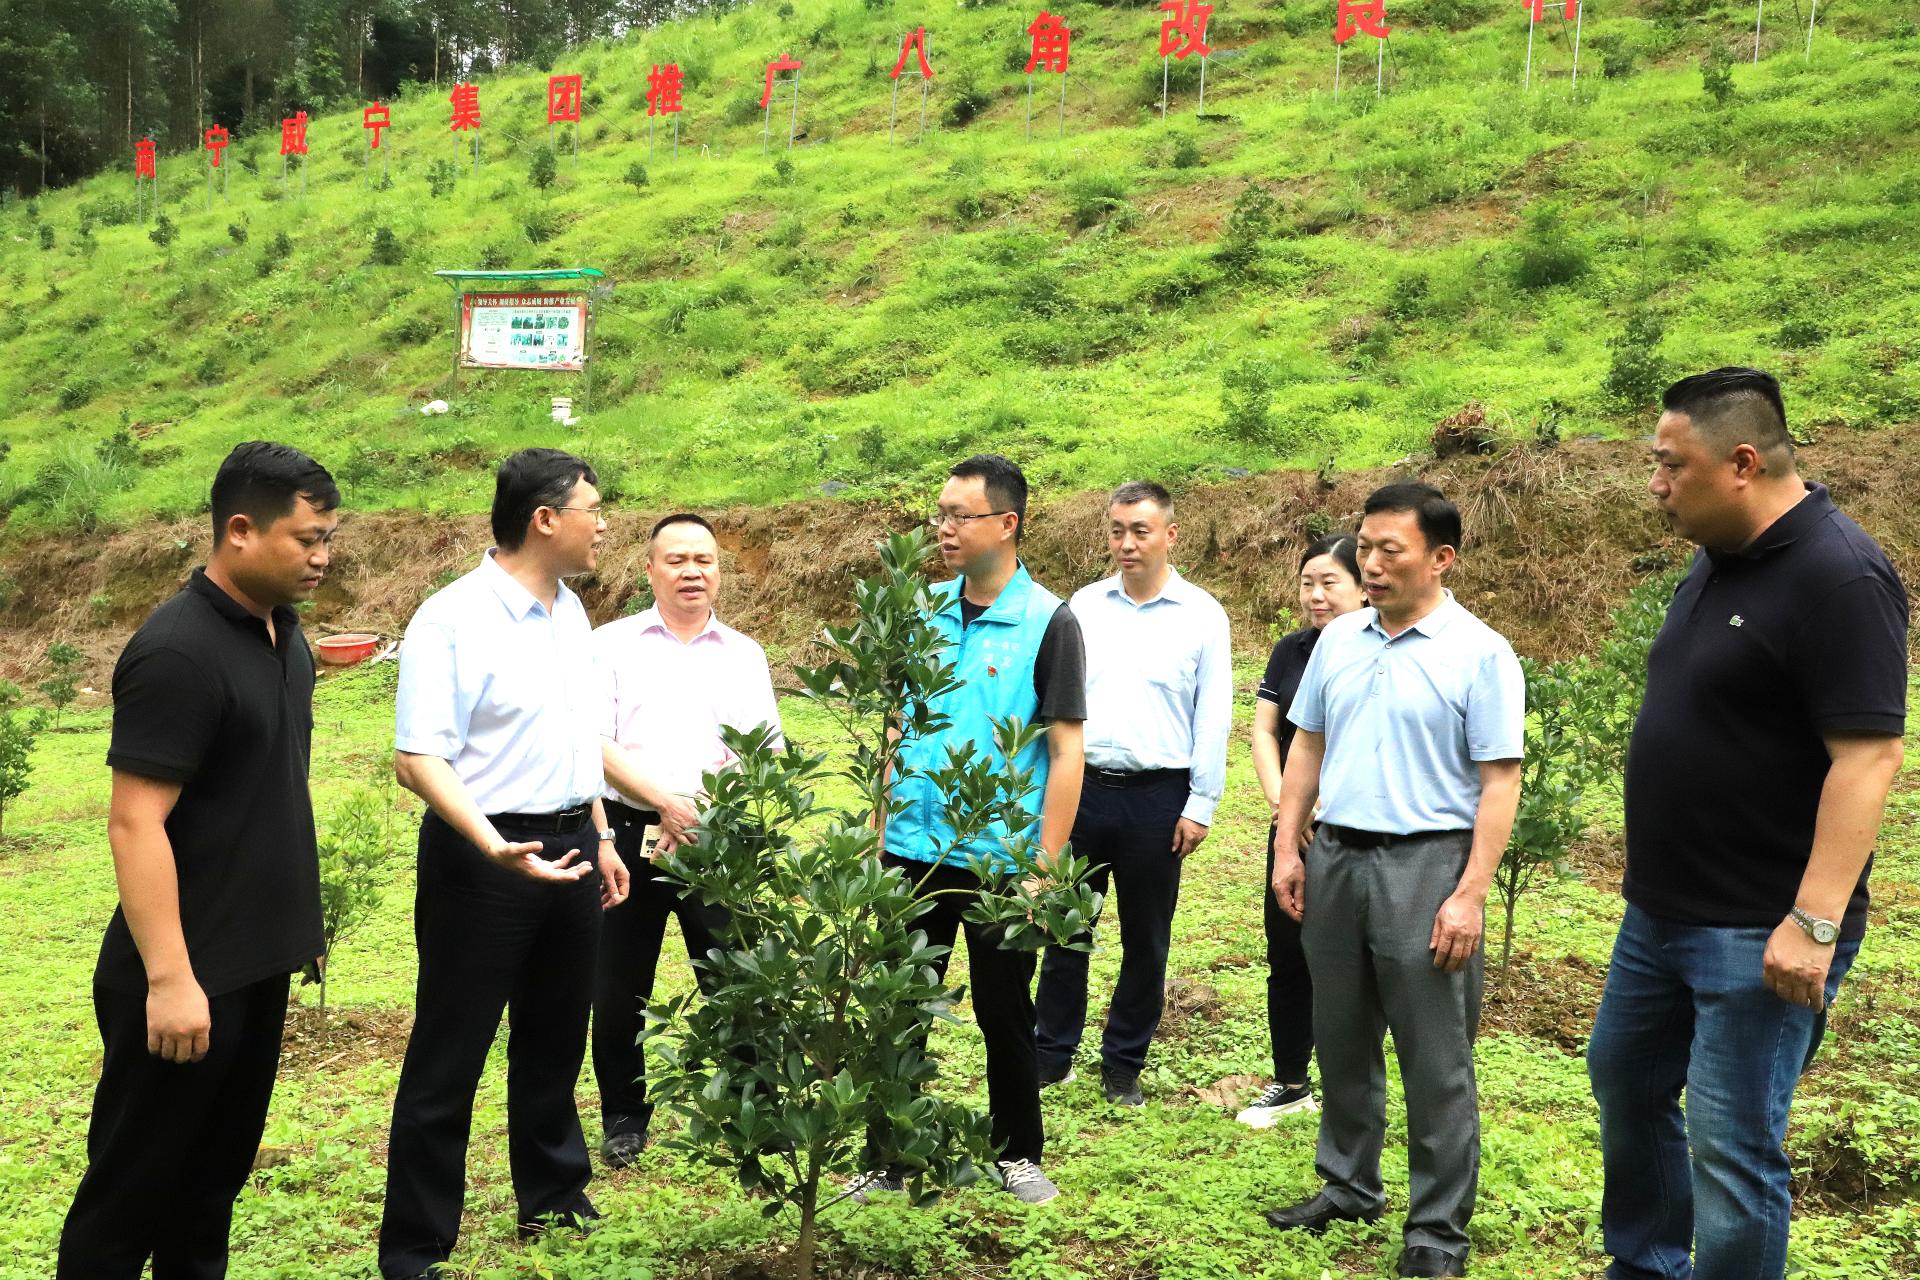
x=1000 y=984
x=171 y=1145
x=490 y=940
x=1127 y=832
x=1289 y=989
x=630 y=940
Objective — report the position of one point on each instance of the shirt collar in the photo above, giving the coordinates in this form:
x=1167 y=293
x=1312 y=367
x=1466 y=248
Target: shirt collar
x=1430 y=626
x=1786 y=530
x=1173 y=591
x=232 y=610
x=650 y=620
x=1005 y=607
x=519 y=601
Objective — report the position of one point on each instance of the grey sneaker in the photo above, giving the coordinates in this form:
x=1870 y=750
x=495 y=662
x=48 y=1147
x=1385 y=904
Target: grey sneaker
x=1047 y=1081
x=1123 y=1090
x=863 y=1188
x=1024 y=1179
x=1277 y=1100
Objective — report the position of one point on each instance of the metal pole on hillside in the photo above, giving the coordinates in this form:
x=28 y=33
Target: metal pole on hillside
x=793 y=119
x=1202 y=108
x=1337 y=51
x=1812 y=13
x=1759 y=12
x=1163 y=86
x=1579 y=17
x=1527 y=82
x=1380 y=70
x=1029 y=106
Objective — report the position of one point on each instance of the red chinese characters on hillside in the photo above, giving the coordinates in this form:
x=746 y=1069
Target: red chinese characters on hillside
x=293 y=134
x=915 y=43
x=785 y=62
x=1538 y=8
x=373 y=120
x=1357 y=16
x=217 y=142
x=563 y=99
x=143 y=161
x=1185 y=33
x=465 y=100
x=1052 y=41
x=663 y=89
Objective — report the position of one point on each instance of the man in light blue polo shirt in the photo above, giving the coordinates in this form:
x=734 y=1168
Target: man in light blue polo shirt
x=1411 y=715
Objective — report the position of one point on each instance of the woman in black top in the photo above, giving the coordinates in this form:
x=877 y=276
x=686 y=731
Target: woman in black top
x=1329 y=587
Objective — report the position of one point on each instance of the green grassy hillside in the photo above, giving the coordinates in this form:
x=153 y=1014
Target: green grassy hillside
x=1110 y=304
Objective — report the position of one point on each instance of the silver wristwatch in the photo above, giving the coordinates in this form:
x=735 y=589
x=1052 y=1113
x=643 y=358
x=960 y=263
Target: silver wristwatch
x=606 y=836
x=1824 y=932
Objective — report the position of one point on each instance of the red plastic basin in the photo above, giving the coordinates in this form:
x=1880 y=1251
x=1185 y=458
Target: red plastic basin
x=345 y=650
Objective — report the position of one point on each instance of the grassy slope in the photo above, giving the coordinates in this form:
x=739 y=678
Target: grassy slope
x=892 y=304
x=1171 y=1192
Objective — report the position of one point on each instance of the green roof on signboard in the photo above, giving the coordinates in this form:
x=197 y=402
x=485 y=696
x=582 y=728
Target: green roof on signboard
x=551 y=273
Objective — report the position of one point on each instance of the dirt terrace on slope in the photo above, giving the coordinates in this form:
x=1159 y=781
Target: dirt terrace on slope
x=1555 y=537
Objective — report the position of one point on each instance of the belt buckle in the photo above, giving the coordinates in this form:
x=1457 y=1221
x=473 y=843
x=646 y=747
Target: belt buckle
x=1110 y=777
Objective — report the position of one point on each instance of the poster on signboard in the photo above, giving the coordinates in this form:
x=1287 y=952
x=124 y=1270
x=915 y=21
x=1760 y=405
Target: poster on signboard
x=523 y=331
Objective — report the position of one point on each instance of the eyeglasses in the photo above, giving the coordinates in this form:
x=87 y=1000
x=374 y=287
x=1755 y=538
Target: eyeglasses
x=941 y=519
x=596 y=512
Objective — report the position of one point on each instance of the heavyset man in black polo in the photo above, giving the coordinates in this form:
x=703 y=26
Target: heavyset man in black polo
x=211 y=826
x=1756 y=779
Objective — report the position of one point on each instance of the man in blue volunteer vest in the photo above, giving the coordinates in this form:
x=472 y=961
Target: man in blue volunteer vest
x=1018 y=649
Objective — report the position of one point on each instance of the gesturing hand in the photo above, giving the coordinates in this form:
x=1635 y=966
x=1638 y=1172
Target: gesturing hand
x=523 y=856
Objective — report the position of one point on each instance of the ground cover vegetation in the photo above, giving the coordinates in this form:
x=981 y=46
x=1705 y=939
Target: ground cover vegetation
x=1170 y=1191
x=1288 y=280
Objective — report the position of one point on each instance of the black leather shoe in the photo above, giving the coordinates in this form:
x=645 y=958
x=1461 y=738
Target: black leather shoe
x=1425 y=1260
x=1315 y=1215
x=622 y=1149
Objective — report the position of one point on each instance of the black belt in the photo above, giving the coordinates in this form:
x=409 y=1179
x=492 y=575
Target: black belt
x=626 y=812
x=1356 y=839
x=563 y=823
x=1134 y=777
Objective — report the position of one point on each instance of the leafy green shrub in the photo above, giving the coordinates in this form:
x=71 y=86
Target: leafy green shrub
x=118 y=448
x=1637 y=374
x=387 y=249
x=822 y=975
x=442 y=176
x=236 y=233
x=46 y=235
x=17 y=732
x=636 y=175
x=969 y=98
x=1798 y=332
x=1617 y=56
x=1095 y=198
x=542 y=168
x=355 y=842
x=783 y=171
x=1186 y=153
x=63 y=686
x=77 y=392
x=540 y=224
x=1546 y=253
x=279 y=249
x=1716 y=75
x=1255 y=217
x=1246 y=402
x=495 y=257
x=107 y=211
x=163 y=231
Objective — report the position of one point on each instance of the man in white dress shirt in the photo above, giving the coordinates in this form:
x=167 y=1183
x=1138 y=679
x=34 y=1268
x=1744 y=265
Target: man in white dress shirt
x=678 y=676
x=1159 y=708
x=499 y=715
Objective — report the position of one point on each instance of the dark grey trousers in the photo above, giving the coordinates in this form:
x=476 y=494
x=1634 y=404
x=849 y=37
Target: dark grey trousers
x=1369 y=915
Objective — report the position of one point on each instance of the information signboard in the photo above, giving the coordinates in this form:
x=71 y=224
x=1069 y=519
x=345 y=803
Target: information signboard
x=523 y=331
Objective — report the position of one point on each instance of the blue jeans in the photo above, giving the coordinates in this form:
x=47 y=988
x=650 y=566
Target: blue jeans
x=1687 y=1006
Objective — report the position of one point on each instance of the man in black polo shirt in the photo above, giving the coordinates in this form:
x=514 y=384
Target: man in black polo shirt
x=213 y=846
x=1759 y=767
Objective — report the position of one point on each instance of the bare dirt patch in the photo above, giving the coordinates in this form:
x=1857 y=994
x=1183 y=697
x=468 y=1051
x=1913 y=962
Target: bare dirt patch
x=348 y=1039
x=1546 y=998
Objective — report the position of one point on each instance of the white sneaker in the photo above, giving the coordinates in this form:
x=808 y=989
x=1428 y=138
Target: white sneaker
x=1277 y=1100
x=1024 y=1179
x=1065 y=1079
x=862 y=1188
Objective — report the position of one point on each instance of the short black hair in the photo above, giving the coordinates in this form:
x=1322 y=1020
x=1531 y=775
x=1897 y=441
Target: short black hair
x=1438 y=518
x=1733 y=406
x=1142 y=491
x=1341 y=546
x=678 y=517
x=529 y=480
x=1006 y=484
x=261 y=480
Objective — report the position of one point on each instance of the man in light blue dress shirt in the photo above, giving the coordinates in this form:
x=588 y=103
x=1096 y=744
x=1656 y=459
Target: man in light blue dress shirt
x=1411 y=715
x=499 y=715
x=1159 y=708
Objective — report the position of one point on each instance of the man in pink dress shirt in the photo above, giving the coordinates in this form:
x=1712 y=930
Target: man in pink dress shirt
x=678 y=676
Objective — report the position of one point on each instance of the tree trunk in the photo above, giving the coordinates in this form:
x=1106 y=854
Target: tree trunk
x=804 y=1247
x=128 y=141
x=1506 y=945
x=199 y=75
